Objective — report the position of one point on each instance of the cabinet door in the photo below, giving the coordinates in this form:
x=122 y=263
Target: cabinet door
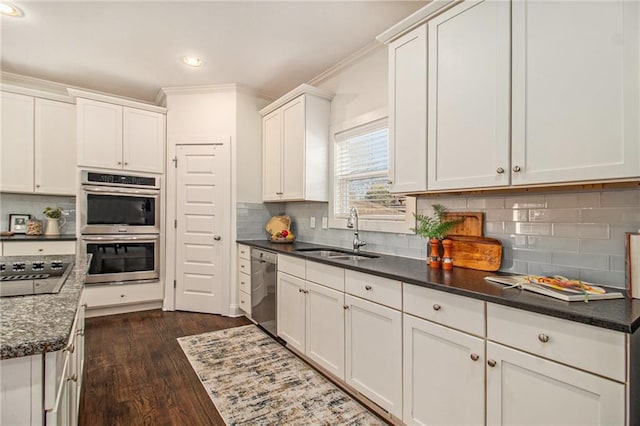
x=575 y=92
x=325 y=328
x=443 y=375
x=272 y=156
x=293 y=149
x=16 y=141
x=99 y=134
x=562 y=395
x=291 y=310
x=408 y=112
x=469 y=97
x=373 y=340
x=55 y=147
x=143 y=140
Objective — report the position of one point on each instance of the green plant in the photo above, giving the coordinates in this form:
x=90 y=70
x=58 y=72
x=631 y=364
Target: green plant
x=434 y=226
x=53 y=213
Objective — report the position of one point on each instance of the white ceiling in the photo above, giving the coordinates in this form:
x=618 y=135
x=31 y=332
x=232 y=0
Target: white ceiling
x=134 y=48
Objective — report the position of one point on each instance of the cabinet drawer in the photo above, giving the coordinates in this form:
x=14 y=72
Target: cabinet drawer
x=329 y=276
x=244 y=282
x=454 y=311
x=371 y=287
x=244 y=266
x=292 y=265
x=245 y=302
x=590 y=348
x=108 y=295
x=244 y=252
x=27 y=248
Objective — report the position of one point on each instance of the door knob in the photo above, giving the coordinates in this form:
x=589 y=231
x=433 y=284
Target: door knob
x=217 y=237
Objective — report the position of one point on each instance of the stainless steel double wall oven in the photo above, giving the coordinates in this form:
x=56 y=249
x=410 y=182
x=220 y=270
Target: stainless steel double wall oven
x=120 y=226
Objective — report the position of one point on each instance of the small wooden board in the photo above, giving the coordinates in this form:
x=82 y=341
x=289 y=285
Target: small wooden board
x=472 y=225
x=481 y=253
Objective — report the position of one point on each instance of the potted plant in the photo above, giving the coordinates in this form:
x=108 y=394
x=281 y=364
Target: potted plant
x=53 y=215
x=435 y=228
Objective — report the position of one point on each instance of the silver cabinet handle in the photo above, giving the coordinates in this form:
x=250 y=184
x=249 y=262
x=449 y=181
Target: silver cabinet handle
x=278 y=193
x=436 y=307
x=73 y=378
x=368 y=287
x=474 y=357
x=516 y=169
x=543 y=338
x=390 y=182
x=499 y=170
x=217 y=237
x=491 y=363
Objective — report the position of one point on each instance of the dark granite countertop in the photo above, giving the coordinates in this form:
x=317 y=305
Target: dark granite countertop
x=618 y=314
x=32 y=325
x=23 y=237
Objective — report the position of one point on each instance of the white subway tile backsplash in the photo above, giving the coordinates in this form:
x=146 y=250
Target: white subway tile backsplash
x=554 y=244
x=553 y=215
x=494 y=228
x=558 y=201
x=581 y=260
x=589 y=199
x=621 y=199
x=569 y=230
x=593 y=231
x=524 y=228
x=548 y=269
x=617 y=263
x=524 y=202
x=603 y=277
x=506 y=215
x=612 y=216
x=531 y=255
x=485 y=203
x=615 y=247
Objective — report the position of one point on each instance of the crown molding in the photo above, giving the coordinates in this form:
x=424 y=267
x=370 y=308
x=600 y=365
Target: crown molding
x=300 y=90
x=345 y=63
x=96 y=96
x=419 y=17
x=23 y=85
x=212 y=88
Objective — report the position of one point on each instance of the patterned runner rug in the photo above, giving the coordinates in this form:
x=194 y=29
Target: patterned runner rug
x=252 y=380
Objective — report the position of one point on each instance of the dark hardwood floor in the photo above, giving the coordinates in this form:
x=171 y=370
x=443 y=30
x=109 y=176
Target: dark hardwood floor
x=136 y=373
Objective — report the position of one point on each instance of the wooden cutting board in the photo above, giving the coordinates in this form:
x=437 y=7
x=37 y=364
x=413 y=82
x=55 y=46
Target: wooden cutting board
x=481 y=253
x=472 y=223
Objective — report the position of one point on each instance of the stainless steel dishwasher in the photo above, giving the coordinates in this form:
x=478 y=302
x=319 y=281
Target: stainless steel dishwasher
x=264 y=266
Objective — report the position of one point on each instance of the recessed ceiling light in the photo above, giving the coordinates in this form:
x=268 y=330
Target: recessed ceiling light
x=192 y=61
x=10 y=10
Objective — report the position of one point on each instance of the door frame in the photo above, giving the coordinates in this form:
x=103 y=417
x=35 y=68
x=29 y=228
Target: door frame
x=169 y=302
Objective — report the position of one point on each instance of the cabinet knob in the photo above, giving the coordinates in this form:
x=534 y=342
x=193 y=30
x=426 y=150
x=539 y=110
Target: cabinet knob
x=119 y=163
x=345 y=307
x=437 y=307
x=217 y=237
x=126 y=164
x=300 y=290
x=122 y=295
x=37 y=186
x=516 y=169
x=73 y=378
x=491 y=363
x=474 y=357
x=368 y=287
x=278 y=193
x=390 y=182
x=40 y=250
x=543 y=338
x=499 y=170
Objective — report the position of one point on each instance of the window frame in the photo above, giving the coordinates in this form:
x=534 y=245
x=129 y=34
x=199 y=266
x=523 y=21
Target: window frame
x=365 y=224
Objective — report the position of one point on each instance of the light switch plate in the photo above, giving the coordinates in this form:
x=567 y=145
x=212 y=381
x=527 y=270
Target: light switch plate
x=325 y=223
x=312 y=222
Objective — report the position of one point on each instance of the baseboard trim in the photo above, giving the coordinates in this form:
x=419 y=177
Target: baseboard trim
x=114 y=310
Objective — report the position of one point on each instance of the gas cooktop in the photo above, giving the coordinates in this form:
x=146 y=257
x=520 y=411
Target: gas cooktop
x=23 y=278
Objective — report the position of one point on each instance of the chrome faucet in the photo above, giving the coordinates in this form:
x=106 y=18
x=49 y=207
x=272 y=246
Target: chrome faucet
x=352 y=222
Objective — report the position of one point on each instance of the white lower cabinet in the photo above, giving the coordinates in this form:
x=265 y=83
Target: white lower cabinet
x=443 y=377
x=38 y=248
x=373 y=340
x=291 y=310
x=526 y=389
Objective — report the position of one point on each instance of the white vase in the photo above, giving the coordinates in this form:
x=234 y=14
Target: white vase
x=52 y=227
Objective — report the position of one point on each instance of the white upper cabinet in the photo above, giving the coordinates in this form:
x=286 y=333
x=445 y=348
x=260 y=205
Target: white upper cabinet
x=469 y=67
x=38 y=145
x=17 y=143
x=408 y=112
x=55 y=147
x=295 y=133
x=575 y=91
x=116 y=137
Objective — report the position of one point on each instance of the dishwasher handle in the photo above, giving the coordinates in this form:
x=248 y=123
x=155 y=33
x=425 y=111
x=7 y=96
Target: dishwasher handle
x=264 y=256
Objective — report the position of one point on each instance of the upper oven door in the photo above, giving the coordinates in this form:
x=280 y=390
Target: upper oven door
x=109 y=210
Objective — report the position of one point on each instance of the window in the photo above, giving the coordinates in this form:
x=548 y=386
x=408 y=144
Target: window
x=361 y=174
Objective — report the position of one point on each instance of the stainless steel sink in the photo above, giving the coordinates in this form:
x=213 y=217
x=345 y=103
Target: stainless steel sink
x=336 y=254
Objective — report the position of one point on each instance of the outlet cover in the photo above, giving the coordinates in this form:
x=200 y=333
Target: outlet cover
x=312 y=222
x=325 y=223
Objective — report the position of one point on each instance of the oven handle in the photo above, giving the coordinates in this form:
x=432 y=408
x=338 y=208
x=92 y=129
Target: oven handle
x=122 y=238
x=117 y=190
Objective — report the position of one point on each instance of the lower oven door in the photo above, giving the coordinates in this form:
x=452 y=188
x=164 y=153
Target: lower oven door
x=120 y=258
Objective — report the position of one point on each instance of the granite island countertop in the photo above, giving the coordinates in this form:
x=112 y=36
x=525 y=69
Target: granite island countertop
x=31 y=325
x=618 y=314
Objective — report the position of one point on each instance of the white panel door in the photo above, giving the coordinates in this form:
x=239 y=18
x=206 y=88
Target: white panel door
x=373 y=340
x=143 y=140
x=55 y=147
x=99 y=134
x=469 y=96
x=291 y=310
x=16 y=149
x=575 y=91
x=443 y=375
x=203 y=231
x=325 y=328
x=293 y=149
x=523 y=389
x=408 y=112
x=272 y=156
